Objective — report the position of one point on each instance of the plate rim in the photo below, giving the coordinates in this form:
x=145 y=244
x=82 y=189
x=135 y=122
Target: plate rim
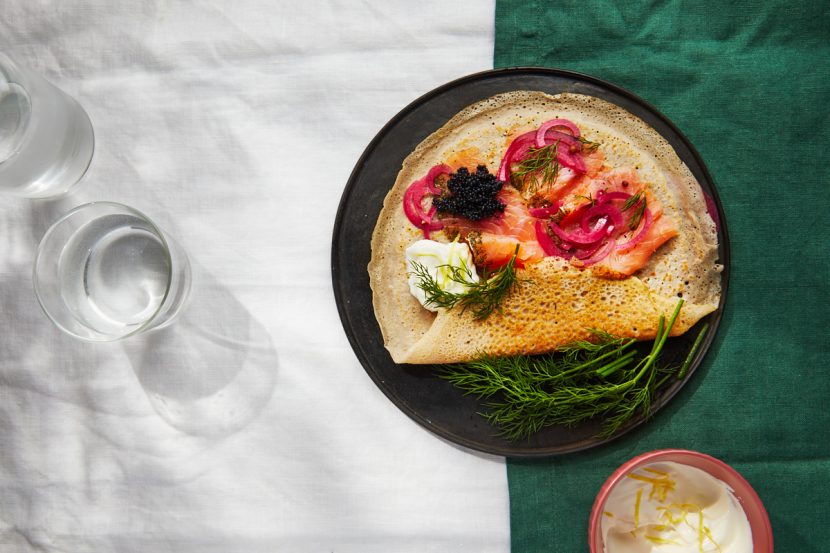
x=714 y=318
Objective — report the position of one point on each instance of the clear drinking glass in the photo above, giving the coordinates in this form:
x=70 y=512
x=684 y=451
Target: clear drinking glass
x=105 y=271
x=46 y=138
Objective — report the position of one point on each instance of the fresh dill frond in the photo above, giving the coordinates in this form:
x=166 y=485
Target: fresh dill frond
x=600 y=377
x=587 y=198
x=587 y=145
x=435 y=295
x=631 y=201
x=638 y=202
x=539 y=168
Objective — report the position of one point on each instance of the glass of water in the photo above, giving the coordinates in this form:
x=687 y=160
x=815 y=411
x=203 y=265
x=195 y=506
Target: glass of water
x=105 y=271
x=46 y=138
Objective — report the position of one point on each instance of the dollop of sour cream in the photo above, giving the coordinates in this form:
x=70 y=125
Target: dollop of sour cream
x=438 y=258
x=674 y=508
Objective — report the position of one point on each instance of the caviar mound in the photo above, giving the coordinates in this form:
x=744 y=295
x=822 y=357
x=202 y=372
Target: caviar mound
x=471 y=195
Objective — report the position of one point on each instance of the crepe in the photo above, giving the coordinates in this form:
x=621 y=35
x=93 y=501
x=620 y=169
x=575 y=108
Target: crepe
x=556 y=302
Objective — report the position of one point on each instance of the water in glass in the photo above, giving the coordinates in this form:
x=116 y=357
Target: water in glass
x=115 y=273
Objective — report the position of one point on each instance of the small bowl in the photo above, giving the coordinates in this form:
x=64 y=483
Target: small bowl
x=753 y=507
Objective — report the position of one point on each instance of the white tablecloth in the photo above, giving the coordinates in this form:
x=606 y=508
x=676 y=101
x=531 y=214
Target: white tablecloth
x=249 y=426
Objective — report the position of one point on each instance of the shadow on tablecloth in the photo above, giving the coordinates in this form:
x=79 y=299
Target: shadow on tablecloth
x=212 y=370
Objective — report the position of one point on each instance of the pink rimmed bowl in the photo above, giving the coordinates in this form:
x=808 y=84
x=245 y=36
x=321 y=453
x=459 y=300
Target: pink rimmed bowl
x=753 y=507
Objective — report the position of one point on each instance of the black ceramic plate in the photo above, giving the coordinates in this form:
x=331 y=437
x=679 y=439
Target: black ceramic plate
x=429 y=400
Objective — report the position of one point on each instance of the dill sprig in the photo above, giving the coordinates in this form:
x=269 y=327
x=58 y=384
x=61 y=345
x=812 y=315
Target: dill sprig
x=539 y=167
x=482 y=297
x=603 y=377
x=638 y=202
x=587 y=198
x=587 y=145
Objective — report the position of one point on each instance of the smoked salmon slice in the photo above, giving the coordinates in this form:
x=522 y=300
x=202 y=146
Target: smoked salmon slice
x=496 y=250
x=620 y=264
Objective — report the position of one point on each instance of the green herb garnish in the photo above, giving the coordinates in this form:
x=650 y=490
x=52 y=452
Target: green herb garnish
x=638 y=202
x=540 y=166
x=604 y=377
x=691 y=356
x=587 y=198
x=482 y=298
x=587 y=145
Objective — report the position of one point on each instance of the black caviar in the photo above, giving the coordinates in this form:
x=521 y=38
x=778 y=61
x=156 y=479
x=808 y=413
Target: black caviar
x=470 y=195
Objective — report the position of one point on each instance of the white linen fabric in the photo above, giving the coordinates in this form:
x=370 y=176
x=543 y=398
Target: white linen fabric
x=248 y=425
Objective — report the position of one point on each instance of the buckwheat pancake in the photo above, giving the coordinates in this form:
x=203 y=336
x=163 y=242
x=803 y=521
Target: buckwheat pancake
x=557 y=300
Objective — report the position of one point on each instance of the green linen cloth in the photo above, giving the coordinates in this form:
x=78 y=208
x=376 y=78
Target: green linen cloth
x=748 y=82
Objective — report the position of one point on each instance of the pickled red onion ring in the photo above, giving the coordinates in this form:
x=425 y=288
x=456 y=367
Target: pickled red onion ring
x=579 y=238
x=434 y=173
x=548 y=245
x=586 y=253
x=544 y=212
x=572 y=160
x=595 y=223
x=549 y=133
x=414 y=196
x=599 y=254
x=517 y=150
x=575 y=216
x=606 y=210
x=573 y=144
x=542 y=132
